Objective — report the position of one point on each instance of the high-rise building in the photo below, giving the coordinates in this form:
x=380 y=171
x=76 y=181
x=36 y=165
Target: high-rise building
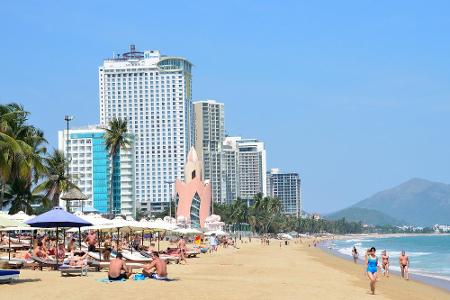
x=209 y=137
x=251 y=168
x=245 y=168
x=230 y=168
x=287 y=188
x=153 y=93
x=90 y=169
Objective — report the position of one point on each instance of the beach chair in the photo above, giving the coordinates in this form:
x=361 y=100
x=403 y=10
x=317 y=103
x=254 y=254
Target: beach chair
x=73 y=270
x=7 y=276
x=135 y=257
x=41 y=263
x=13 y=263
x=170 y=259
x=191 y=253
x=96 y=256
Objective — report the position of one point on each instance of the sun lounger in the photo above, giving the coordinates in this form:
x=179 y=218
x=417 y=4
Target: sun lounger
x=98 y=257
x=14 y=263
x=191 y=253
x=170 y=258
x=73 y=270
x=135 y=257
x=8 y=275
x=46 y=262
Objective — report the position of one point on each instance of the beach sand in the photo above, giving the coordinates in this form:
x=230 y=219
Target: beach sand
x=252 y=272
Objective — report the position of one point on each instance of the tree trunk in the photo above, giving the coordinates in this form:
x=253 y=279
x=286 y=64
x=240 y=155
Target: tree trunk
x=2 y=195
x=55 y=200
x=111 y=186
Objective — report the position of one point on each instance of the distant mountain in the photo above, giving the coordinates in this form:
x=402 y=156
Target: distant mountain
x=365 y=215
x=417 y=201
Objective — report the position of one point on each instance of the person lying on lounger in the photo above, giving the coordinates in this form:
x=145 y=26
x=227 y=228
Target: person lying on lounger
x=157 y=269
x=40 y=251
x=118 y=269
x=78 y=259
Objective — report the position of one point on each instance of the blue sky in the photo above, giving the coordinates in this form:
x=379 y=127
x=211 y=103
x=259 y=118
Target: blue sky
x=353 y=95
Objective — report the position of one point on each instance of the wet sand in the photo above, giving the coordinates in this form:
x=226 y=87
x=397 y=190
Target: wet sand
x=252 y=272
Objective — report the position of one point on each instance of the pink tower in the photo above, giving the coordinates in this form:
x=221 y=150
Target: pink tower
x=193 y=194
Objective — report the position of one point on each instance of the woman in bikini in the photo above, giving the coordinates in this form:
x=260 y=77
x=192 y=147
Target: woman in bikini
x=372 y=268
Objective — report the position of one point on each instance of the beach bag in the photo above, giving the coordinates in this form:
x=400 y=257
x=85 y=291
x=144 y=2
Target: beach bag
x=139 y=277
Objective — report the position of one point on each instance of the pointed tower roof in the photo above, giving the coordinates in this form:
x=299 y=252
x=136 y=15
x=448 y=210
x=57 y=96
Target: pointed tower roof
x=193 y=166
x=192 y=155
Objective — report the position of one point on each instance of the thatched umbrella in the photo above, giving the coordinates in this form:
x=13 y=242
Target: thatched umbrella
x=74 y=194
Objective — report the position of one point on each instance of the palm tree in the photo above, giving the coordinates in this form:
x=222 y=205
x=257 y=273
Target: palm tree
x=55 y=180
x=115 y=139
x=20 y=196
x=21 y=147
x=239 y=212
x=265 y=210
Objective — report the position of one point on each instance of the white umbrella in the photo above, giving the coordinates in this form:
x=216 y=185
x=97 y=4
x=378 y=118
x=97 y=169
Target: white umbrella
x=217 y=232
x=187 y=231
x=20 y=216
x=160 y=225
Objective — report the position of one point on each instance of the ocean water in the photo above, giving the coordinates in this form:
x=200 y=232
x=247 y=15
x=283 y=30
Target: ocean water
x=429 y=255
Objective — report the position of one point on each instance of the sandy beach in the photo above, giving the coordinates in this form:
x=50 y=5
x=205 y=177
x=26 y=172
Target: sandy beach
x=251 y=272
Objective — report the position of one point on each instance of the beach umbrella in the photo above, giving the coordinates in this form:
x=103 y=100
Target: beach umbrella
x=7 y=223
x=74 y=194
x=217 y=233
x=20 y=216
x=56 y=218
x=187 y=231
x=161 y=226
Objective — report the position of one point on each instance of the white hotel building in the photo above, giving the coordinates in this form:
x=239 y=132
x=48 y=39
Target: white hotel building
x=245 y=168
x=153 y=93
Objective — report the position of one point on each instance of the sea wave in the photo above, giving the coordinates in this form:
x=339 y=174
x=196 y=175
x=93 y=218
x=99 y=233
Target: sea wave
x=358 y=240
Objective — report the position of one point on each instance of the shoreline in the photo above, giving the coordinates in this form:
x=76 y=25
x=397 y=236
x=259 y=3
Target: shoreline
x=436 y=282
x=254 y=272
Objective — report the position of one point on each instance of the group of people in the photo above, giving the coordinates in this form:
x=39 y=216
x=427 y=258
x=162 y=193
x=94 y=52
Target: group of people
x=156 y=269
x=372 y=266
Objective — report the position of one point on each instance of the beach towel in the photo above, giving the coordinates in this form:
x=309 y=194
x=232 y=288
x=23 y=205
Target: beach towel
x=106 y=280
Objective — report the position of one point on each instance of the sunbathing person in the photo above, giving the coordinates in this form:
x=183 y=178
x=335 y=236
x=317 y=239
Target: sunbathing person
x=71 y=246
x=118 y=269
x=61 y=253
x=40 y=251
x=79 y=259
x=157 y=269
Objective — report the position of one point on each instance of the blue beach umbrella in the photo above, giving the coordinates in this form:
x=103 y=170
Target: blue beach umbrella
x=56 y=218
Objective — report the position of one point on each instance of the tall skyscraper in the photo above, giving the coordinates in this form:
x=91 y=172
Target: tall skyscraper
x=287 y=188
x=245 y=168
x=230 y=168
x=251 y=168
x=209 y=137
x=90 y=167
x=153 y=93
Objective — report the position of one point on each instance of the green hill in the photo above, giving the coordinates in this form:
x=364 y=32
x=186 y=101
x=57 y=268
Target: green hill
x=419 y=202
x=366 y=216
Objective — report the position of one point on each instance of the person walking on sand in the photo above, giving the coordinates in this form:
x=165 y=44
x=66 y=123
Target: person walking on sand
x=372 y=268
x=385 y=263
x=355 y=254
x=404 y=265
x=182 y=249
